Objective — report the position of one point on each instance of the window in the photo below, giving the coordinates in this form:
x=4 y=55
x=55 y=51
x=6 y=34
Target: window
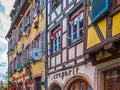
x=40 y=6
x=56 y=40
x=80 y=85
x=76 y=25
x=37 y=83
x=55 y=3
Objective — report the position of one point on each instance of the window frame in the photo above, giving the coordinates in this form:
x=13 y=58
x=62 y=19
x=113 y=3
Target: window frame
x=56 y=42
x=79 y=29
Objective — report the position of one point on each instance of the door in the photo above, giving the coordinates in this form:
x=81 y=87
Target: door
x=37 y=83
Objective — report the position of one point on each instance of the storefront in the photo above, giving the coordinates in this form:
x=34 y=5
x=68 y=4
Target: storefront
x=73 y=79
x=112 y=79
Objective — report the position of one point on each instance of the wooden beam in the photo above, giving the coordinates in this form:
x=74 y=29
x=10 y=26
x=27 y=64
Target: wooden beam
x=111 y=48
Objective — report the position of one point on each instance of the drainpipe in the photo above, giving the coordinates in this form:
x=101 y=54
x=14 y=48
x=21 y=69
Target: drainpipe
x=8 y=64
x=46 y=49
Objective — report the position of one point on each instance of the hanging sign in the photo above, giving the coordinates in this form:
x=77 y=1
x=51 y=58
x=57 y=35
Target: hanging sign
x=36 y=54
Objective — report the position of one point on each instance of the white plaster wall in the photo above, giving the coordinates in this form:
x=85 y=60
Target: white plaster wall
x=58 y=59
x=70 y=64
x=64 y=41
x=87 y=70
x=48 y=20
x=58 y=9
x=77 y=1
x=53 y=16
x=80 y=60
x=48 y=37
x=64 y=23
x=48 y=49
x=64 y=55
x=64 y=4
x=48 y=7
x=79 y=49
x=71 y=53
x=70 y=1
x=48 y=62
x=60 y=67
x=52 y=61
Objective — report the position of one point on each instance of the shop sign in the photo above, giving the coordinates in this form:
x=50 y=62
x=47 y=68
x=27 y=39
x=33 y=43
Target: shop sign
x=66 y=73
x=36 y=54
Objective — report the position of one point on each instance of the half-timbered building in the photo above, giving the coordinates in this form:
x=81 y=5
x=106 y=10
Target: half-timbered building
x=102 y=42
x=66 y=67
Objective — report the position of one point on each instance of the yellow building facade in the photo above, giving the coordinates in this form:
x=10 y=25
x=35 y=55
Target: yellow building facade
x=26 y=45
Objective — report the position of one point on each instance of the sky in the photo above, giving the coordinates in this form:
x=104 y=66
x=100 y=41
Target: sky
x=5 y=9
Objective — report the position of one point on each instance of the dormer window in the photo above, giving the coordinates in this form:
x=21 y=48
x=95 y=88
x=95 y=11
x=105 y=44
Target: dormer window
x=76 y=25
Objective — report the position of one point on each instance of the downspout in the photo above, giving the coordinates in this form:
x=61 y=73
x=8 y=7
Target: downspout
x=8 y=65
x=46 y=49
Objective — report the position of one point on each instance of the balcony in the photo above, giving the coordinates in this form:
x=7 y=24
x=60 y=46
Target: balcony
x=18 y=16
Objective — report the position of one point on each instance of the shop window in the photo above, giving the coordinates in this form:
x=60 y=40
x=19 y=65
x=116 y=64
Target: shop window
x=76 y=26
x=56 y=40
x=80 y=85
x=112 y=79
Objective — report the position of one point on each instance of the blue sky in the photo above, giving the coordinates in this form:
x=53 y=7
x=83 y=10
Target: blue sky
x=5 y=8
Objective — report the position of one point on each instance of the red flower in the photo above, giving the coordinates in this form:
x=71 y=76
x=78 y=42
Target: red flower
x=53 y=36
x=70 y=21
